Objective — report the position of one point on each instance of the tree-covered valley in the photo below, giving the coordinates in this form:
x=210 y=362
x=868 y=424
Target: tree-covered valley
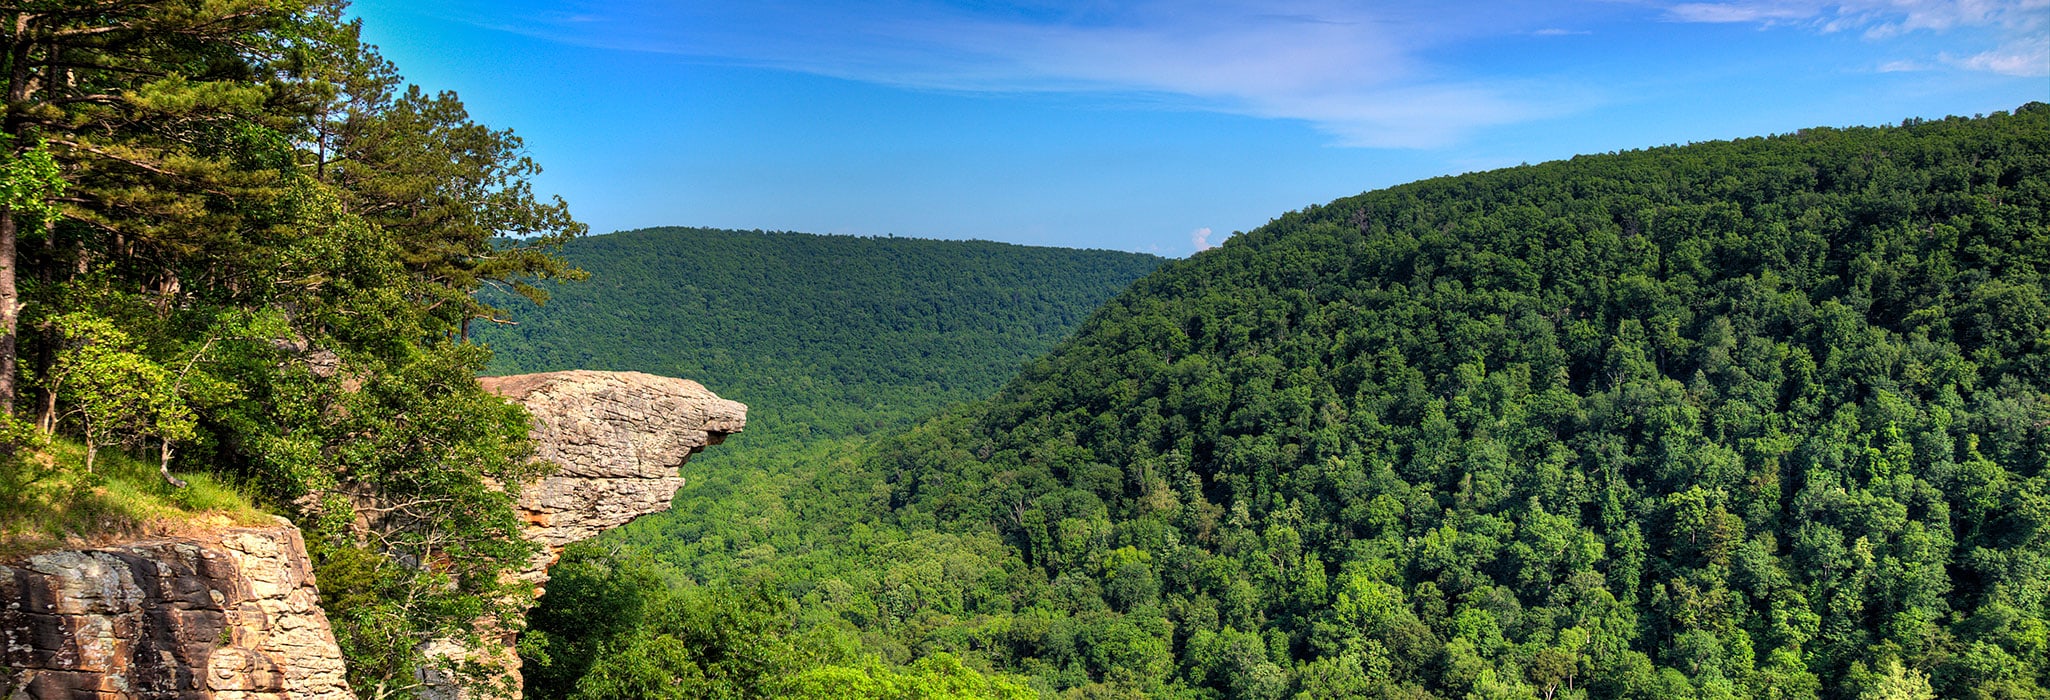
x=829 y=339
x=1764 y=418
x=823 y=336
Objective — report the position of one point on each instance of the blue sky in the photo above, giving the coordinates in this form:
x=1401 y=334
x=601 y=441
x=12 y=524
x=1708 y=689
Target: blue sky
x=1155 y=126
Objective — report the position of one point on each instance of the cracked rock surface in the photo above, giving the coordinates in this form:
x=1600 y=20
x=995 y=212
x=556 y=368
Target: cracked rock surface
x=618 y=438
x=231 y=615
x=234 y=614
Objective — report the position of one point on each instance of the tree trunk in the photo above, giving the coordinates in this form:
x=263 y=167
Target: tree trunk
x=10 y=298
x=10 y=309
x=164 y=464
x=46 y=415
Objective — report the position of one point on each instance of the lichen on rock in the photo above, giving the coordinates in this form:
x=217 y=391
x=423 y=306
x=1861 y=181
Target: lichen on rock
x=231 y=615
x=617 y=439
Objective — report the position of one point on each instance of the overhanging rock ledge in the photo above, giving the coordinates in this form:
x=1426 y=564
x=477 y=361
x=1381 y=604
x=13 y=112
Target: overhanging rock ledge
x=618 y=438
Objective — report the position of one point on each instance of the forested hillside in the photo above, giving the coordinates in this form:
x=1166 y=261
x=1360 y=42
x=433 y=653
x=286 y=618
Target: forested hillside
x=1765 y=418
x=821 y=336
x=828 y=339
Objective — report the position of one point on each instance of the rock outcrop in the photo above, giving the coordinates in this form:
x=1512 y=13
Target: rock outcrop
x=234 y=614
x=617 y=439
x=231 y=615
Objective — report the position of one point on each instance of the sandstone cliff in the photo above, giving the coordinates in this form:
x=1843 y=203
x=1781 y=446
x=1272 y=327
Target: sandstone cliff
x=235 y=614
x=231 y=615
x=618 y=438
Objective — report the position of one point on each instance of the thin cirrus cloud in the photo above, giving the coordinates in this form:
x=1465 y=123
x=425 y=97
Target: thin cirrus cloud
x=2015 y=29
x=1353 y=72
x=2024 y=59
x=1878 y=18
x=1368 y=75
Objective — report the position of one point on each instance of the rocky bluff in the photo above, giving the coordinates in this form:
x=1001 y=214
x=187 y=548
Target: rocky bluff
x=617 y=438
x=234 y=614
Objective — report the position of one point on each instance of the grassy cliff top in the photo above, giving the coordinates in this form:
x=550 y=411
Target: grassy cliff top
x=50 y=500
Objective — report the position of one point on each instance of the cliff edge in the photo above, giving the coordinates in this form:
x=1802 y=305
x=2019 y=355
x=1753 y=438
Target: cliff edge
x=618 y=439
x=232 y=615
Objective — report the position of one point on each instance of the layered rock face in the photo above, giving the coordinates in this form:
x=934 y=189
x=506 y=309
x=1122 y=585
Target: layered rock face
x=618 y=438
x=234 y=614
x=231 y=615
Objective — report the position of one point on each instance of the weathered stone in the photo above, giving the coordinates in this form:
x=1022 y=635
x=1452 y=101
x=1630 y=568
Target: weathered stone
x=617 y=439
x=232 y=614
x=235 y=615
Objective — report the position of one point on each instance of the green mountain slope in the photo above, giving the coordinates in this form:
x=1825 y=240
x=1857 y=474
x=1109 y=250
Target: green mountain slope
x=1765 y=418
x=817 y=334
x=828 y=339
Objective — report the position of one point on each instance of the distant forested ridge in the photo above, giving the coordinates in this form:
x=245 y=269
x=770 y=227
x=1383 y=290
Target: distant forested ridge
x=1765 y=418
x=828 y=339
x=831 y=335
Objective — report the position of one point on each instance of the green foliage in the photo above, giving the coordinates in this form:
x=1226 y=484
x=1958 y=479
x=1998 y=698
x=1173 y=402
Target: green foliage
x=49 y=499
x=1764 y=418
x=1751 y=419
x=456 y=196
x=822 y=336
x=622 y=633
x=29 y=181
x=936 y=677
x=118 y=394
x=829 y=338
x=262 y=261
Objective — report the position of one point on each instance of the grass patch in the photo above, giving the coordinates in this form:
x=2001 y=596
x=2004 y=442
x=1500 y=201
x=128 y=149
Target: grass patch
x=49 y=501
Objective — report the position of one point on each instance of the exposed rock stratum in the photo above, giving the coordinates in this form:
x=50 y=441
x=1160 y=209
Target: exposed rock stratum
x=617 y=439
x=231 y=615
x=235 y=614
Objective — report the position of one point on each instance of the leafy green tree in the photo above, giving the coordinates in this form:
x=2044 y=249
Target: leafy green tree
x=191 y=264
x=151 y=114
x=1896 y=682
x=119 y=395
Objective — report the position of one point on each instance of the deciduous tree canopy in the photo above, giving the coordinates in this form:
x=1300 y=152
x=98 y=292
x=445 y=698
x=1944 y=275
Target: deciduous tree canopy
x=1765 y=418
x=231 y=241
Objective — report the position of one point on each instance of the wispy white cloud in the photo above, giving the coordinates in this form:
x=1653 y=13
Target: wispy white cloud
x=1383 y=75
x=1877 y=18
x=1357 y=73
x=1201 y=238
x=2021 y=59
x=2018 y=27
x=1742 y=12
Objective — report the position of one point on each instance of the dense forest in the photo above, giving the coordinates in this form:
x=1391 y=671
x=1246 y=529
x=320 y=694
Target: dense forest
x=1766 y=418
x=236 y=255
x=822 y=336
x=828 y=339
x=237 y=252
